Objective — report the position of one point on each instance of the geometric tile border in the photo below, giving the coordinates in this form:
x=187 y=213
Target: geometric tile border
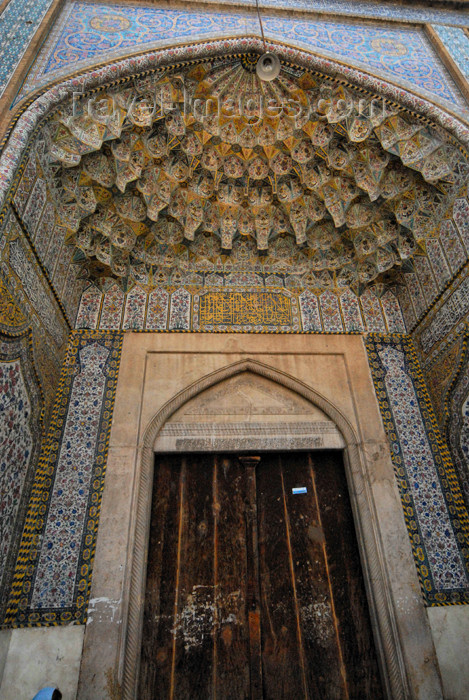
x=435 y=514
x=52 y=579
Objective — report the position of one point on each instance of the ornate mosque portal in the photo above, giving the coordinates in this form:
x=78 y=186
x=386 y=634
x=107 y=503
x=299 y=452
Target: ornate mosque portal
x=200 y=176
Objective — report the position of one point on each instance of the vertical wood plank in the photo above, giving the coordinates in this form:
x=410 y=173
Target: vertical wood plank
x=194 y=616
x=157 y=640
x=282 y=672
x=253 y=584
x=346 y=577
x=232 y=640
x=325 y=668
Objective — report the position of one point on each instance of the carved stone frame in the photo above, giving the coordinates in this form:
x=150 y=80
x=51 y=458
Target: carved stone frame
x=366 y=522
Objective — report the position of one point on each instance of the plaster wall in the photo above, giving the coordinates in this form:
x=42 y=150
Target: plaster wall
x=154 y=369
x=450 y=629
x=39 y=658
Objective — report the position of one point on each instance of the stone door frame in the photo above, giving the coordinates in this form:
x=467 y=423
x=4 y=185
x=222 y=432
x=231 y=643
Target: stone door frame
x=377 y=583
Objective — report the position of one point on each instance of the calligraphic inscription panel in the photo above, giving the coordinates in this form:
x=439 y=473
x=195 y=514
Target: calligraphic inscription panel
x=219 y=309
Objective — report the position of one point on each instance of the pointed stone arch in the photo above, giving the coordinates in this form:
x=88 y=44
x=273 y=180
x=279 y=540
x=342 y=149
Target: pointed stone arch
x=376 y=578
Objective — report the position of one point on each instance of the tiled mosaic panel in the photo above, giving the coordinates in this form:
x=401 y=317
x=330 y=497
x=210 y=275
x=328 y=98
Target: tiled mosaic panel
x=237 y=309
x=383 y=10
x=435 y=514
x=20 y=20
x=52 y=581
x=93 y=32
x=21 y=405
x=457 y=414
x=439 y=376
x=461 y=219
x=438 y=261
x=426 y=278
x=457 y=44
x=35 y=204
x=26 y=301
x=451 y=244
x=445 y=320
x=22 y=263
x=445 y=255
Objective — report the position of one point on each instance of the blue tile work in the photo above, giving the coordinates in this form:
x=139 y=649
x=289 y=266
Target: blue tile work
x=457 y=43
x=89 y=33
x=52 y=580
x=19 y=21
x=435 y=514
x=370 y=10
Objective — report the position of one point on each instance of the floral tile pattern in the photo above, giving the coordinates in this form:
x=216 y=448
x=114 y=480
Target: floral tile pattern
x=439 y=376
x=461 y=219
x=134 y=309
x=52 y=582
x=371 y=10
x=91 y=32
x=111 y=314
x=21 y=406
x=372 y=312
x=350 y=306
x=438 y=261
x=434 y=510
x=457 y=42
x=392 y=312
x=452 y=245
x=26 y=300
x=20 y=20
x=446 y=316
x=157 y=314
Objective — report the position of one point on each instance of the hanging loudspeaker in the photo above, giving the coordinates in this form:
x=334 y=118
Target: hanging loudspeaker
x=268 y=66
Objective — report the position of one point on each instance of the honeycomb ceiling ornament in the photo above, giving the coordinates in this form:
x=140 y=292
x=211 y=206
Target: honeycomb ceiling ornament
x=346 y=184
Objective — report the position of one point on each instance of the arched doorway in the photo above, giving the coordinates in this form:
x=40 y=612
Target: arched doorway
x=221 y=463
x=254 y=586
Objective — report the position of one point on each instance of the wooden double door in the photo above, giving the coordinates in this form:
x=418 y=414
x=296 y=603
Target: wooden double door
x=254 y=586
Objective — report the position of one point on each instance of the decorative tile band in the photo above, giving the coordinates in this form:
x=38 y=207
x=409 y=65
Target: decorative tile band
x=53 y=571
x=239 y=309
x=435 y=514
x=91 y=32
